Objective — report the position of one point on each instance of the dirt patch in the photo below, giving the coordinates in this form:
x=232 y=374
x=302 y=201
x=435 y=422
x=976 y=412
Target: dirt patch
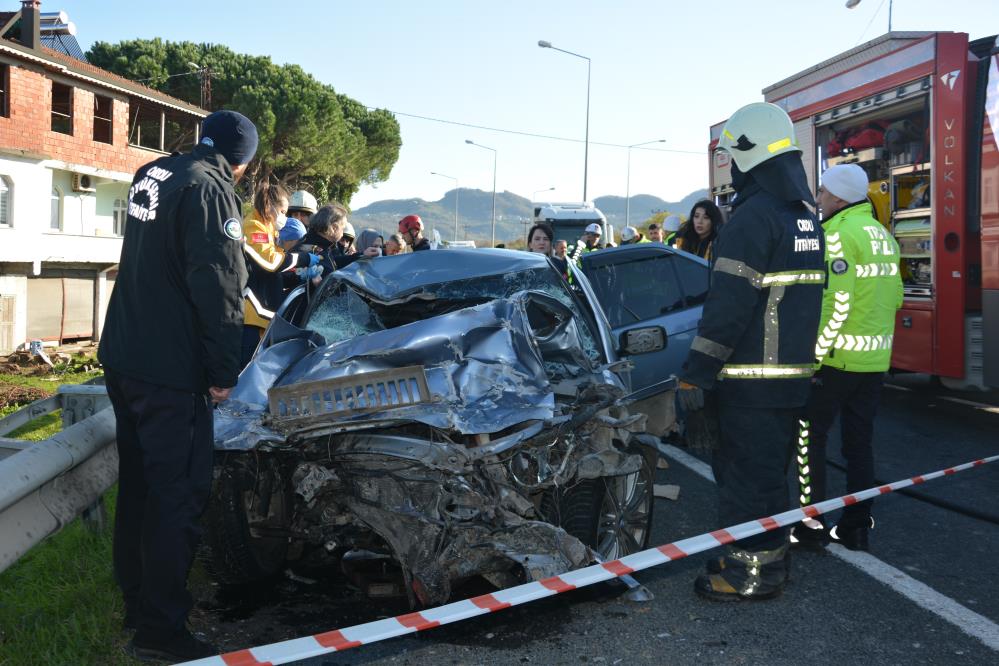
x=12 y=395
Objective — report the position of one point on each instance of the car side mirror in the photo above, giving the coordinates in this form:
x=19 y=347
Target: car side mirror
x=643 y=340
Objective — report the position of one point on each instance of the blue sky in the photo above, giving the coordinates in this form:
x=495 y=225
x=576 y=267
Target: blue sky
x=660 y=70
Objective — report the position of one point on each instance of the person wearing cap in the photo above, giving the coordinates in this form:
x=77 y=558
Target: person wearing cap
x=632 y=236
x=292 y=232
x=671 y=225
x=753 y=357
x=170 y=348
x=590 y=242
x=863 y=291
x=301 y=206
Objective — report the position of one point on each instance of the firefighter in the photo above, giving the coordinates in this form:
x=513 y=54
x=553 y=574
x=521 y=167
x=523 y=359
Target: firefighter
x=753 y=355
x=854 y=351
x=170 y=347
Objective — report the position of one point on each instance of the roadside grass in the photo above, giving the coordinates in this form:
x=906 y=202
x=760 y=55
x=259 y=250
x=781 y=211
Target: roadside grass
x=59 y=603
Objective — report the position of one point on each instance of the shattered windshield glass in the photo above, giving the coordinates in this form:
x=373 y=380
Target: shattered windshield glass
x=343 y=313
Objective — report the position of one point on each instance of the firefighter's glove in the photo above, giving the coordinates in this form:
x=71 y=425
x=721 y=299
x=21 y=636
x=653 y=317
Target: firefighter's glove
x=690 y=397
x=309 y=273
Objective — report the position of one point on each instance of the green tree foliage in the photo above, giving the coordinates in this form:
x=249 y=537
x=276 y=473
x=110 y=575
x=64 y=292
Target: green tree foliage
x=310 y=136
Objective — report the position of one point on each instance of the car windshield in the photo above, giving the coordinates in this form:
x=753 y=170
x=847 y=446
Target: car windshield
x=343 y=313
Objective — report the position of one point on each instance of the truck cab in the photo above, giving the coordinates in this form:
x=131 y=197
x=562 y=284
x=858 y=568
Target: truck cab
x=569 y=220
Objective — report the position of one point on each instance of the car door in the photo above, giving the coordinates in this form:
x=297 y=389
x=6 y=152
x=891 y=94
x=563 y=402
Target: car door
x=645 y=286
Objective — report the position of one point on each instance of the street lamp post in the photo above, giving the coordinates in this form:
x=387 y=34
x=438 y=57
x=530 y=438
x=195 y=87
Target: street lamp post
x=850 y=4
x=586 y=150
x=479 y=145
x=627 y=195
x=534 y=197
x=444 y=175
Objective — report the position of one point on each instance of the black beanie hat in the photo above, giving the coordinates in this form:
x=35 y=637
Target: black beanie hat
x=232 y=134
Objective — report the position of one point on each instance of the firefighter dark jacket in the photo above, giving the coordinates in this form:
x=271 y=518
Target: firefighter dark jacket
x=756 y=340
x=175 y=317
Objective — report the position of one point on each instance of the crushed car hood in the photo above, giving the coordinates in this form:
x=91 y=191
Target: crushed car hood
x=483 y=367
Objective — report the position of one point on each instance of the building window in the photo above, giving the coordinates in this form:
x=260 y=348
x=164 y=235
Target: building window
x=5 y=91
x=102 y=119
x=118 y=216
x=55 y=216
x=62 y=108
x=6 y=189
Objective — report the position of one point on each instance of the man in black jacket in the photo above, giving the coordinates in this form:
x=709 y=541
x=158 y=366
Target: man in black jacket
x=170 y=348
x=755 y=347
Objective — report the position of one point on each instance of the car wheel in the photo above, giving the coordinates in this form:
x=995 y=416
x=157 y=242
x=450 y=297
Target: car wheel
x=612 y=514
x=236 y=555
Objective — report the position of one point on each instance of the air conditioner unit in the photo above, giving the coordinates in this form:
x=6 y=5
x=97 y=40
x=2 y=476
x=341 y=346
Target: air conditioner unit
x=83 y=183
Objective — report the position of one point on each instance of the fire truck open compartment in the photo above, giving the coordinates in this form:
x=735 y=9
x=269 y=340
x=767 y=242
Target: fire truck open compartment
x=888 y=135
x=919 y=112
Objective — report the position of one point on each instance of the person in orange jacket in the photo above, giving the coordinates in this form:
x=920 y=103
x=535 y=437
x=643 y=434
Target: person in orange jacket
x=268 y=263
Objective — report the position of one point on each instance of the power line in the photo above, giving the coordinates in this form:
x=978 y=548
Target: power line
x=534 y=135
x=873 y=16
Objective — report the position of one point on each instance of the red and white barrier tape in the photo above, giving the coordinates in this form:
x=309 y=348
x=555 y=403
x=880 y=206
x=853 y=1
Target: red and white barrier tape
x=379 y=630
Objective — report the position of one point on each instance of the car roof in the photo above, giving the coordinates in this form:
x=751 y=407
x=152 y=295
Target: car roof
x=392 y=277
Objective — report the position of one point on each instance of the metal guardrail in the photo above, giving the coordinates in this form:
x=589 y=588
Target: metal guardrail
x=45 y=485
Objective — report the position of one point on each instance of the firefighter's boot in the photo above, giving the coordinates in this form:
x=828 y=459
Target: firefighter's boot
x=745 y=575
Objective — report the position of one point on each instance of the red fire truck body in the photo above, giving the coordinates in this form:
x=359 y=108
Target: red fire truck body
x=919 y=111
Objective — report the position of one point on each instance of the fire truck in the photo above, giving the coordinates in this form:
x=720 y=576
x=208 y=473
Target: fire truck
x=919 y=111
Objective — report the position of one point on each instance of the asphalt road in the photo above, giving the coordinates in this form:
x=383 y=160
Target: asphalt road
x=832 y=612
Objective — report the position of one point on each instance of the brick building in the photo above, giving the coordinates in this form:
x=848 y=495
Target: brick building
x=71 y=137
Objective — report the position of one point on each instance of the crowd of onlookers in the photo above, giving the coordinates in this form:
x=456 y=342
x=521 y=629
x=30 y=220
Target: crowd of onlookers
x=695 y=235
x=290 y=240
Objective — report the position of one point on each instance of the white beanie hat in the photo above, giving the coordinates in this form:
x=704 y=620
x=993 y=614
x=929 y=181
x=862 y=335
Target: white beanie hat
x=846 y=181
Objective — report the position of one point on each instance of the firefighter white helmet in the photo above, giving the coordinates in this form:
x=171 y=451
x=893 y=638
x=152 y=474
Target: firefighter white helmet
x=629 y=234
x=302 y=200
x=672 y=223
x=756 y=133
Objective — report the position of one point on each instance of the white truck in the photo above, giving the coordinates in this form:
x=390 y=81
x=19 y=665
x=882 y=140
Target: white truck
x=569 y=220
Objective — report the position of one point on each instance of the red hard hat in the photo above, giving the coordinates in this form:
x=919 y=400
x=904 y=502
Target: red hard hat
x=410 y=223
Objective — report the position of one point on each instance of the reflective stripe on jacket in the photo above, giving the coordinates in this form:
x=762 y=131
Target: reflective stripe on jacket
x=863 y=293
x=266 y=261
x=756 y=339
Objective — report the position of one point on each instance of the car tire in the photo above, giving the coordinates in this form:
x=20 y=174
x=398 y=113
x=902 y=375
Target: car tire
x=587 y=509
x=235 y=555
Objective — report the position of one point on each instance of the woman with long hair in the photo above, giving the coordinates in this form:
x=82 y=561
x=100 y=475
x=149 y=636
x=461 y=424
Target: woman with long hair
x=539 y=240
x=701 y=229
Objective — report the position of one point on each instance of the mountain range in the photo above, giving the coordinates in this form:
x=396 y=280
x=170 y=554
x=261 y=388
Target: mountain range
x=514 y=213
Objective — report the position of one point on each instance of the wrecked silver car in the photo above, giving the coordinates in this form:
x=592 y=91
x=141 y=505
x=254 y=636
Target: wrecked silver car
x=437 y=416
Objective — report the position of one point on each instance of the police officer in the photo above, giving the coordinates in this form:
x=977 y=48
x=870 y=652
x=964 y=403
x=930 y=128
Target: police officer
x=854 y=349
x=589 y=242
x=754 y=350
x=170 y=347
